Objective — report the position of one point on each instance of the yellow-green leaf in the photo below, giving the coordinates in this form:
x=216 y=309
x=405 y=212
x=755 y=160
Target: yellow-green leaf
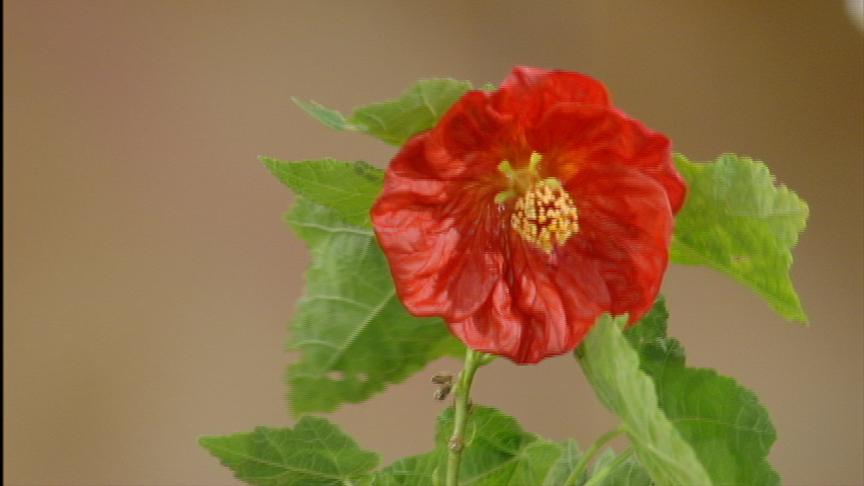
x=737 y=221
x=417 y=109
x=350 y=188
x=724 y=423
x=612 y=367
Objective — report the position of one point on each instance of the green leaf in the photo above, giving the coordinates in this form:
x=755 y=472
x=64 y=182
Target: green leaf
x=420 y=470
x=418 y=108
x=497 y=453
x=736 y=221
x=314 y=453
x=609 y=470
x=354 y=335
x=328 y=117
x=612 y=367
x=348 y=187
x=564 y=466
x=724 y=423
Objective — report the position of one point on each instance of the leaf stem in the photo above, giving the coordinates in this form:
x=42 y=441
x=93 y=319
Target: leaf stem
x=600 y=475
x=461 y=406
x=592 y=451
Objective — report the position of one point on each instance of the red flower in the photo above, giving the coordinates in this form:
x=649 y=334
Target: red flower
x=528 y=212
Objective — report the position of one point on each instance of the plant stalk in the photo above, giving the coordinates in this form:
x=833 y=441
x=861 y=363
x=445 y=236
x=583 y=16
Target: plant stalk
x=461 y=408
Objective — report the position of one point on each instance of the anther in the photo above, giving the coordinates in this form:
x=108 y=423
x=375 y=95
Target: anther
x=545 y=215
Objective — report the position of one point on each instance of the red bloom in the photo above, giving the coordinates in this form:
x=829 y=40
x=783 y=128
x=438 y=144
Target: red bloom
x=528 y=212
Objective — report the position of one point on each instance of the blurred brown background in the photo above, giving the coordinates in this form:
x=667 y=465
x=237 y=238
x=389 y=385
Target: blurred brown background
x=149 y=277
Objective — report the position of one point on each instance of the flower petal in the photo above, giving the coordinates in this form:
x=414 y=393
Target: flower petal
x=441 y=244
x=543 y=306
x=578 y=136
x=528 y=93
x=467 y=140
x=625 y=226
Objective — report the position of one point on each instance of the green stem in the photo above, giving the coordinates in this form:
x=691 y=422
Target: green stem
x=592 y=451
x=601 y=474
x=461 y=405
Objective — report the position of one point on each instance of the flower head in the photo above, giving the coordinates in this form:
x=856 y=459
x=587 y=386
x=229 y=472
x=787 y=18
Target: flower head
x=528 y=212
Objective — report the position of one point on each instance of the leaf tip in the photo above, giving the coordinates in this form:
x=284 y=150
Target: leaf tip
x=302 y=104
x=270 y=164
x=800 y=317
x=205 y=441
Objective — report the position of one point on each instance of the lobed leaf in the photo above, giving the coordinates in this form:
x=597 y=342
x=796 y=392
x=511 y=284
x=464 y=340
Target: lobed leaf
x=314 y=453
x=350 y=188
x=612 y=367
x=497 y=453
x=353 y=333
x=417 y=109
x=724 y=423
x=737 y=221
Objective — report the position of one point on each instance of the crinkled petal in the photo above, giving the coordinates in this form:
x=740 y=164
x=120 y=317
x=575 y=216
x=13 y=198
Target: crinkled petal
x=625 y=227
x=466 y=143
x=528 y=93
x=441 y=245
x=543 y=306
x=573 y=137
x=493 y=328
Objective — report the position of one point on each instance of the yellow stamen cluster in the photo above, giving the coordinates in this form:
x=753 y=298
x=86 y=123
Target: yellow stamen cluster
x=545 y=215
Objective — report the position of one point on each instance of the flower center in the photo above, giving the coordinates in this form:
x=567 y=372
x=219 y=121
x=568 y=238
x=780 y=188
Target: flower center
x=545 y=215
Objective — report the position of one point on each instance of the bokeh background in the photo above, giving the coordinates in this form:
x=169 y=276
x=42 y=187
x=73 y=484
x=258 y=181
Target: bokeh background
x=149 y=279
